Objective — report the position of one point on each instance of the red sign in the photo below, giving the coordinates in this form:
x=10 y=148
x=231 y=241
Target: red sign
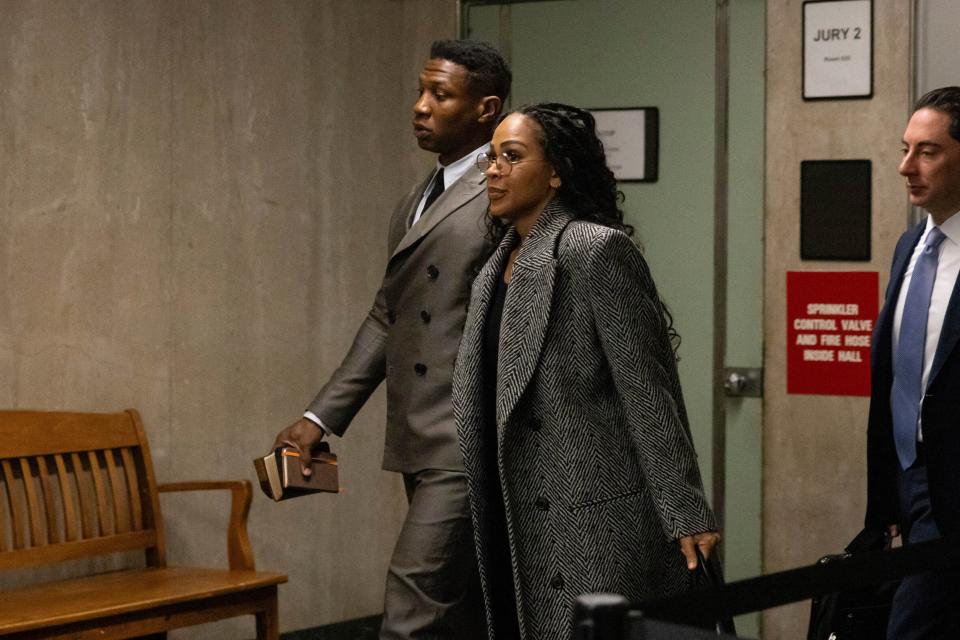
x=830 y=318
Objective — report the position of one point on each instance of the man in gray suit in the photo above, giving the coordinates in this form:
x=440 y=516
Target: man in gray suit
x=437 y=241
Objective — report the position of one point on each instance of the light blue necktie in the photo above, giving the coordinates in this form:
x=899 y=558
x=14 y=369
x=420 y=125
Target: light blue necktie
x=908 y=361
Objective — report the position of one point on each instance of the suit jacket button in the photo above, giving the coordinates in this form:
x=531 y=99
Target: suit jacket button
x=542 y=503
x=420 y=369
x=534 y=424
x=425 y=316
x=391 y=316
x=432 y=272
x=557 y=581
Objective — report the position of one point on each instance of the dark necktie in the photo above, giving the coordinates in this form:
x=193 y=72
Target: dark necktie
x=908 y=360
x=435 y=190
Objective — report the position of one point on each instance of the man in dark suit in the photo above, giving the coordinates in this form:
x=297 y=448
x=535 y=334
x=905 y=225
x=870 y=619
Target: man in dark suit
x=437 y=240
x=913 y=437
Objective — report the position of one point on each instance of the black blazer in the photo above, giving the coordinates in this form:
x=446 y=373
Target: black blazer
x=940 y=414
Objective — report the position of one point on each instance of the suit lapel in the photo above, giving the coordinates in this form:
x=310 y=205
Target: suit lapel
x=949 y=334
x=406 y=208
x=461 y=192
x=901 y=261
x=526 y=311
x=897 y=270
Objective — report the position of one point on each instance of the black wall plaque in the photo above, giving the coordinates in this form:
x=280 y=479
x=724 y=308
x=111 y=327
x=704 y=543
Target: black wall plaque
x=835 y=209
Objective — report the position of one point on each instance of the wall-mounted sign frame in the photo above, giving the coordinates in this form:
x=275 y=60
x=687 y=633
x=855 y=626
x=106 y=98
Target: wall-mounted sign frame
x=837 y=49
x=631 y=140
x=835 y=209
x=830 y=316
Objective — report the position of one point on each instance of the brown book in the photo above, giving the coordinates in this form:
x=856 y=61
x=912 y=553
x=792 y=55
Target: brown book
x=280 y=477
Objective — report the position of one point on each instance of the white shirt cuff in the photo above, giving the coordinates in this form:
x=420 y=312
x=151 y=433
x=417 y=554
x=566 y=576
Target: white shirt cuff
x=312 y=417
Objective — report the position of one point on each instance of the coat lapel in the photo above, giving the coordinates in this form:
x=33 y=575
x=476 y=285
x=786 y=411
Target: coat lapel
x=463 y=191
x=484 y=286
x=470 y=371
x=526 y=311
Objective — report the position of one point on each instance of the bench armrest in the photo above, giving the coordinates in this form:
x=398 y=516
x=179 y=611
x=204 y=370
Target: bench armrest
x=239 y=551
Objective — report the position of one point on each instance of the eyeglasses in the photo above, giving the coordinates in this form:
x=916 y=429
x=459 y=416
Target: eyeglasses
x=485 y=160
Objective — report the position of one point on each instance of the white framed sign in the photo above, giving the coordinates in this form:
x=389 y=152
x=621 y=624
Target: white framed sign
x=631 y=139
x=837 y=49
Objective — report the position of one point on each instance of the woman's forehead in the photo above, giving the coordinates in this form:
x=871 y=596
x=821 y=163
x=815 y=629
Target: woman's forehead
x=518 y=128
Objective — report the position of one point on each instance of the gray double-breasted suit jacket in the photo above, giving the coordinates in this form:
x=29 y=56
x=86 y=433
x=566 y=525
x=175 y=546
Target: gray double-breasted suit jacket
x=598 y=471
x=411 y=334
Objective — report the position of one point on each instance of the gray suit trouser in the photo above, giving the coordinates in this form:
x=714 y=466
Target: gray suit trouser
x=433 y=588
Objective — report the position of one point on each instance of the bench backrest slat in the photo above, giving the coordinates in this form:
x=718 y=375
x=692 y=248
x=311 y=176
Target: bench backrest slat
x=49 y=501
x=37 y=518
x=67 y=500
x=88 y=517
x=104 y=521
x=75 y=485
x=15 y=502
x=4 y=523
x=133 y=489
x=121 y=505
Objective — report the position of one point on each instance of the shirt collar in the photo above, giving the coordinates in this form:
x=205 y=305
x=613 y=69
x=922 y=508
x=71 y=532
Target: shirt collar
x=950 y=227
x=458 y=168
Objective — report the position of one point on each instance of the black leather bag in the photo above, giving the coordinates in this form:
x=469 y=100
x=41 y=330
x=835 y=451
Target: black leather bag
x=709 y=574
x=860 y=614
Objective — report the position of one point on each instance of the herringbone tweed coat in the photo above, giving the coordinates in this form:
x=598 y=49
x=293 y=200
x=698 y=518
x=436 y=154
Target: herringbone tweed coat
x=598 y=471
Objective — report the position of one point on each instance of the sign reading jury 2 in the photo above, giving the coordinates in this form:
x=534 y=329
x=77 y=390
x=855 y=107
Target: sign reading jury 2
x=837 y=49
x=830 y=317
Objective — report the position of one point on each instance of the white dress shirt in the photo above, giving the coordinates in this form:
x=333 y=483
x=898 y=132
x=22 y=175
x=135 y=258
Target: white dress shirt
x=451 y=173
x=948 y=267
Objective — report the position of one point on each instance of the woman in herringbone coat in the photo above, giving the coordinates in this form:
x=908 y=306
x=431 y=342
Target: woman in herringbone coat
x=580 y=464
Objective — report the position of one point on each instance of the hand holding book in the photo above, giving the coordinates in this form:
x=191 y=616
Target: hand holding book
x=302 y=435
x=281 y=476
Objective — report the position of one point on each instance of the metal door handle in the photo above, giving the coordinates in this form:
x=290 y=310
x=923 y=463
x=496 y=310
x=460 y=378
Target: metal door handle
x=743 y=382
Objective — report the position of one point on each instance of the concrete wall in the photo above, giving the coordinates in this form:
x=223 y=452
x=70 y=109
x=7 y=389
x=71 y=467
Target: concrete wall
x=186 y=190
x=815 y=446
x=937 y=56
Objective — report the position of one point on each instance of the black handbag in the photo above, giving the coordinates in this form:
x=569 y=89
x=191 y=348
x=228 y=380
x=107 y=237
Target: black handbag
x=708 y=574
x=859 y=614
x=713 y=575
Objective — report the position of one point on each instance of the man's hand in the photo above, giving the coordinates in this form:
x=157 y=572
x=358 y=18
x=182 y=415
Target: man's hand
x=304 y=436
x=705 y=541
x=893 y=531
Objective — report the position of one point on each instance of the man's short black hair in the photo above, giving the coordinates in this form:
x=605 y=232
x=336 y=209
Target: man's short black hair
x=947 y=100
x=489 y=73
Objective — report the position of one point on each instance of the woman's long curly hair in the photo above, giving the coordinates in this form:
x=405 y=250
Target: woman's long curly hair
x=588 y=188
x=568 y=136
x=570 y=144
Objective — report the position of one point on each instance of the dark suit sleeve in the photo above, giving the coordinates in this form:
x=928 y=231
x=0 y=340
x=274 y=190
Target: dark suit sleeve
x=633 y=335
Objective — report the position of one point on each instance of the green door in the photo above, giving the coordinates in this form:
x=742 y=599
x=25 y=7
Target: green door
x=664 y=54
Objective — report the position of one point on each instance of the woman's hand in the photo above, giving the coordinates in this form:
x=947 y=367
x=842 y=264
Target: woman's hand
x=705 y=541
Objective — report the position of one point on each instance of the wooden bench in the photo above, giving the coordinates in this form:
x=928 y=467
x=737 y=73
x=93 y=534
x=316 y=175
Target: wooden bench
x=78 y=485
